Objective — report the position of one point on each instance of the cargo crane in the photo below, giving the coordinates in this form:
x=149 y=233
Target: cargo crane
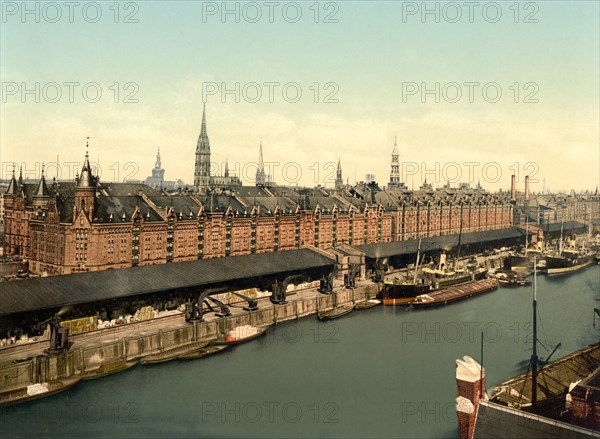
x=326 y=283
x=194 y=312
x=381 y=266
x=350 y=277
x=59 y=336
x=279 y=289
x=224 y=309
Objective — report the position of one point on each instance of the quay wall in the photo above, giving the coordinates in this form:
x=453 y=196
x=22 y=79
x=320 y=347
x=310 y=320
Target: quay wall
x=46 y=367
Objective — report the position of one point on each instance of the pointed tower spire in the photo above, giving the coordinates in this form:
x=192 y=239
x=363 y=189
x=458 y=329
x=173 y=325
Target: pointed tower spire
x=226 y=173
x=339 y=180
x=42 y=189
x=261 y=162
x=12 y=186
x=261 y=177
x=20 y=175
x=202 y=178
x=158 y=173
x=203 y=129
x=395 y=168
x=157 y=164
x=86 y=178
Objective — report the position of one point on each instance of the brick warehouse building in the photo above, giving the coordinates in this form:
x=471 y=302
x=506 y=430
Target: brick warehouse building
x=88 y=225
x=67 y=227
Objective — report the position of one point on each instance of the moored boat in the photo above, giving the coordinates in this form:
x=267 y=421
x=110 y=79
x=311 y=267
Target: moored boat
x=203 y=352
x=561 y=264
x=455 y=293
x=403 y=291
x=171 y=354
x=510 y=279
x=571 y=258
x=367 y=304
x=35 y=391
x=240 y=334
x=335 y=313
x=522 y=259
x=115 y=366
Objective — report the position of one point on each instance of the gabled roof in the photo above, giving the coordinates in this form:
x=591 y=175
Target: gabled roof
x=121 y=208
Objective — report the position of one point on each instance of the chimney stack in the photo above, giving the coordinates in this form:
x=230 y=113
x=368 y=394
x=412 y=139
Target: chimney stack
x=527 y=188
x=470 y=380
x=513 y=187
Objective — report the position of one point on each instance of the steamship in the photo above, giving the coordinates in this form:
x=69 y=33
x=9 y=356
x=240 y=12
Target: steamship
x=522 y=260
x=569 y=259
x=403 y=291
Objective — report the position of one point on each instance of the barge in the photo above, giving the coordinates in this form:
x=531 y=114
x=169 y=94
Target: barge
x=455 y=293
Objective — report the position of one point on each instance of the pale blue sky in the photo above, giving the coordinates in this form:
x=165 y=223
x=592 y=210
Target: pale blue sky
x=369 y=54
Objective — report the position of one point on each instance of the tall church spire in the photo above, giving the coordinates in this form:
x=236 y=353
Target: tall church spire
x=395 y=167
x=261 y=177
x=203 y=129
x=202 y=167
x=157 y=164
x=339 y=180
x=158 y=173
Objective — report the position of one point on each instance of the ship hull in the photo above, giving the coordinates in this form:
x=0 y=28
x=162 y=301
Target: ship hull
x=457 y=292
x=516 y=262
x=395 y=294
x=557 y=265
x=405 y=294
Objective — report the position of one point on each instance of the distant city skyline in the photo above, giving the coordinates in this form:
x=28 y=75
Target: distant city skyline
x=548 y=112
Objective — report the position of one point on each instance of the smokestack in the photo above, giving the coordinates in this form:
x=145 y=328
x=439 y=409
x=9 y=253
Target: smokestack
x=527 y=188
x=470 y=380
x=513 y=187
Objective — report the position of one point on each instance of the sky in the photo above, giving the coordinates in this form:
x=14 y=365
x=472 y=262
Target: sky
x=472 y=94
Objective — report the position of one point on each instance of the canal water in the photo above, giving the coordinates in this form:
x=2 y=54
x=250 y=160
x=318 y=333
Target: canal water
x=380 y=373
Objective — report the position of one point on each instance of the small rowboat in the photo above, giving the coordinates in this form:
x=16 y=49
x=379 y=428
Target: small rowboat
x=201 y=353
x=240 y=334
x=35 y=391
x=171 y=354
x=115 y=366
x=513 y=282
x=367 y=304
x=335 y=313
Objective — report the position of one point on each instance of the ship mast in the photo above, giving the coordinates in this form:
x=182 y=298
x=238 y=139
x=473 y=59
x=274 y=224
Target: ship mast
x=417 y=262
x=590 y=225
x=534 y=357
x=562 y=223
x=526 y=232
